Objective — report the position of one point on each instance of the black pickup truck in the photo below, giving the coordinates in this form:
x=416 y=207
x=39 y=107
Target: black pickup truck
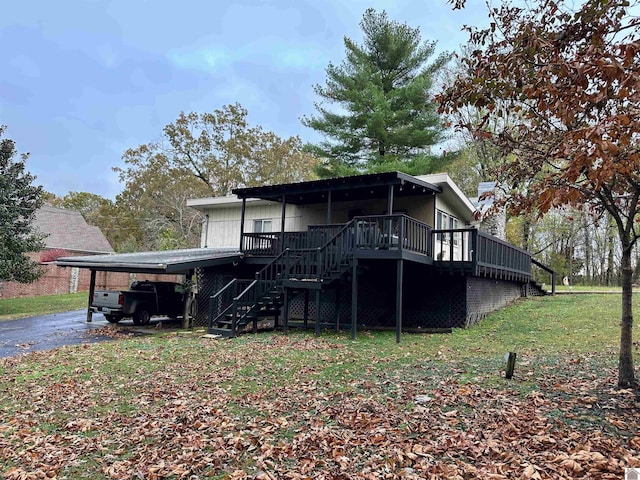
x=141 y=302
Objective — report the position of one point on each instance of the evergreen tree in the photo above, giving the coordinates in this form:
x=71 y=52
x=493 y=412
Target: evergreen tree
x=387 y=119
x=19 y=200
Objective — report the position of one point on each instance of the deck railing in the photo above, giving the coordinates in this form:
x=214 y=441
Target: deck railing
x=469 y=248
x=392 y=232
x=493 y=253
x=482 y=252
x=272 y=243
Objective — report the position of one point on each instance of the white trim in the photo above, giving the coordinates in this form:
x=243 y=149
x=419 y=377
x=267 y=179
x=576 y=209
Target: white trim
x=222 y=202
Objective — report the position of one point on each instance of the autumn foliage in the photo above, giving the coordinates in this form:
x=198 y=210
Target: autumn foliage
x=564 y=87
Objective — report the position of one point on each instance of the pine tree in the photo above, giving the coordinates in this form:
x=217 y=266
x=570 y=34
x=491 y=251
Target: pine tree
x=387 y=119
x=19 y=200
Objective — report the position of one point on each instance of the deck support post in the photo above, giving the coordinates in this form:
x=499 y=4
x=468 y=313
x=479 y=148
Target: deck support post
x=337 y=307
x=390 y=201
x=92 y=288
x=318 y=313
x=242 y=213
x=306 y=309
x=329 y=212
x=285 y=313
x=399 y=289
x=354 y=299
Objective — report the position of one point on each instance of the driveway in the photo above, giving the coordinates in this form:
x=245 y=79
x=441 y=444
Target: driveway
x=46 y=332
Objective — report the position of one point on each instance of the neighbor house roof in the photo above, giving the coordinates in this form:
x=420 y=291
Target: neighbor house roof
x=67 y=230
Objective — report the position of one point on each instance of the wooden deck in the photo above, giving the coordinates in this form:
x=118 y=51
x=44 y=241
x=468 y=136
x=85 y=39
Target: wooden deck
x=312 y=261
x=395 y=237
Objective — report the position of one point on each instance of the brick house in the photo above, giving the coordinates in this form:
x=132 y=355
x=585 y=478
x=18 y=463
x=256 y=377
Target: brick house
x=67 y=233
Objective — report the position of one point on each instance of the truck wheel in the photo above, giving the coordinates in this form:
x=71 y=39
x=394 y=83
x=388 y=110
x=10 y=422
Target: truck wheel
x=112 y=318
x=141 y=318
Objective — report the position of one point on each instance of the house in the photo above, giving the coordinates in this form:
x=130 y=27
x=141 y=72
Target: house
x=384 y=250
x=66 y=233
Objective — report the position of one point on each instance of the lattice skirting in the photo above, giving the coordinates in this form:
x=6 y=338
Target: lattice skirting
x=431 y=299
x=210 y=281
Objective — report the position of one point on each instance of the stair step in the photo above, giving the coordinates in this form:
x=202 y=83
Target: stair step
x=244 y=320
x=225 y=332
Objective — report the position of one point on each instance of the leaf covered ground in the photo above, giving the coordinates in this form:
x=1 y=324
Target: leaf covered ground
x=273 y=406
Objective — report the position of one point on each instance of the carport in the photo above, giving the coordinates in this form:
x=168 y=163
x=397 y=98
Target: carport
x=181 y=262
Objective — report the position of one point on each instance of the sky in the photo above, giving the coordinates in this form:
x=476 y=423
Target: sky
x=83 y=80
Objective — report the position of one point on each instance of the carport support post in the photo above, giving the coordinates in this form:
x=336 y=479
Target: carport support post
x=186 y=309
x=92 y=288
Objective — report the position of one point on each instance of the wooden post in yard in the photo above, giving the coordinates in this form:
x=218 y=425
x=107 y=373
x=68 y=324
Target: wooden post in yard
x=511 y=365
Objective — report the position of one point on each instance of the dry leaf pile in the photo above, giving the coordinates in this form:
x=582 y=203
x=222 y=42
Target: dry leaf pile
x=267 y=408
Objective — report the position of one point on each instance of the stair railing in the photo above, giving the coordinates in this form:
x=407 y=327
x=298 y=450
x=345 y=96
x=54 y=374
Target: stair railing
x=221 y=303
x=314 y=264
x=246 y=302
x=549 y=270
x=307 y=263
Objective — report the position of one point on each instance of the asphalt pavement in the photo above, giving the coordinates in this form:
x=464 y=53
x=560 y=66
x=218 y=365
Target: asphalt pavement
x=46 y=332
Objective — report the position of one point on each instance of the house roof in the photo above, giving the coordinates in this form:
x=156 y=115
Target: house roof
x=67 y=230
x=355 y=187
x=168 y=261
x=452 y=194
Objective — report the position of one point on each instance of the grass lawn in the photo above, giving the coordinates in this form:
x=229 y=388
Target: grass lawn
x=588 y=288
x=271 y=406
x=29 y=306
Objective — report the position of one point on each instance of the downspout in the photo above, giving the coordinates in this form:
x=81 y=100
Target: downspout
x=282 y=220
x=206 y=229
x=390 y=201
x=242 y=212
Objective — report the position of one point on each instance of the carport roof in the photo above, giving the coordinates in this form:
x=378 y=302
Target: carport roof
x=168 y=261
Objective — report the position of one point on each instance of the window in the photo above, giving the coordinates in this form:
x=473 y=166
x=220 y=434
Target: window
x=440 y=223
x=444 y=221
x=453 y=225
x=262 y=225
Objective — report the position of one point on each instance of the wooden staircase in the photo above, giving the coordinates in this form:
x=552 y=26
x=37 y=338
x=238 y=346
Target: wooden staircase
x=244 y=302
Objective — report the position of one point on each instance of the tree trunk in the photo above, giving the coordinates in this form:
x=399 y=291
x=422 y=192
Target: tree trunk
x=526 y=231
x=626 y=377
x=587 y=247
x=610 y=257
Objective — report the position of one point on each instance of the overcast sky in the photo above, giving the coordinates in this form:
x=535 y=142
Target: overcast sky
x=82 y=81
